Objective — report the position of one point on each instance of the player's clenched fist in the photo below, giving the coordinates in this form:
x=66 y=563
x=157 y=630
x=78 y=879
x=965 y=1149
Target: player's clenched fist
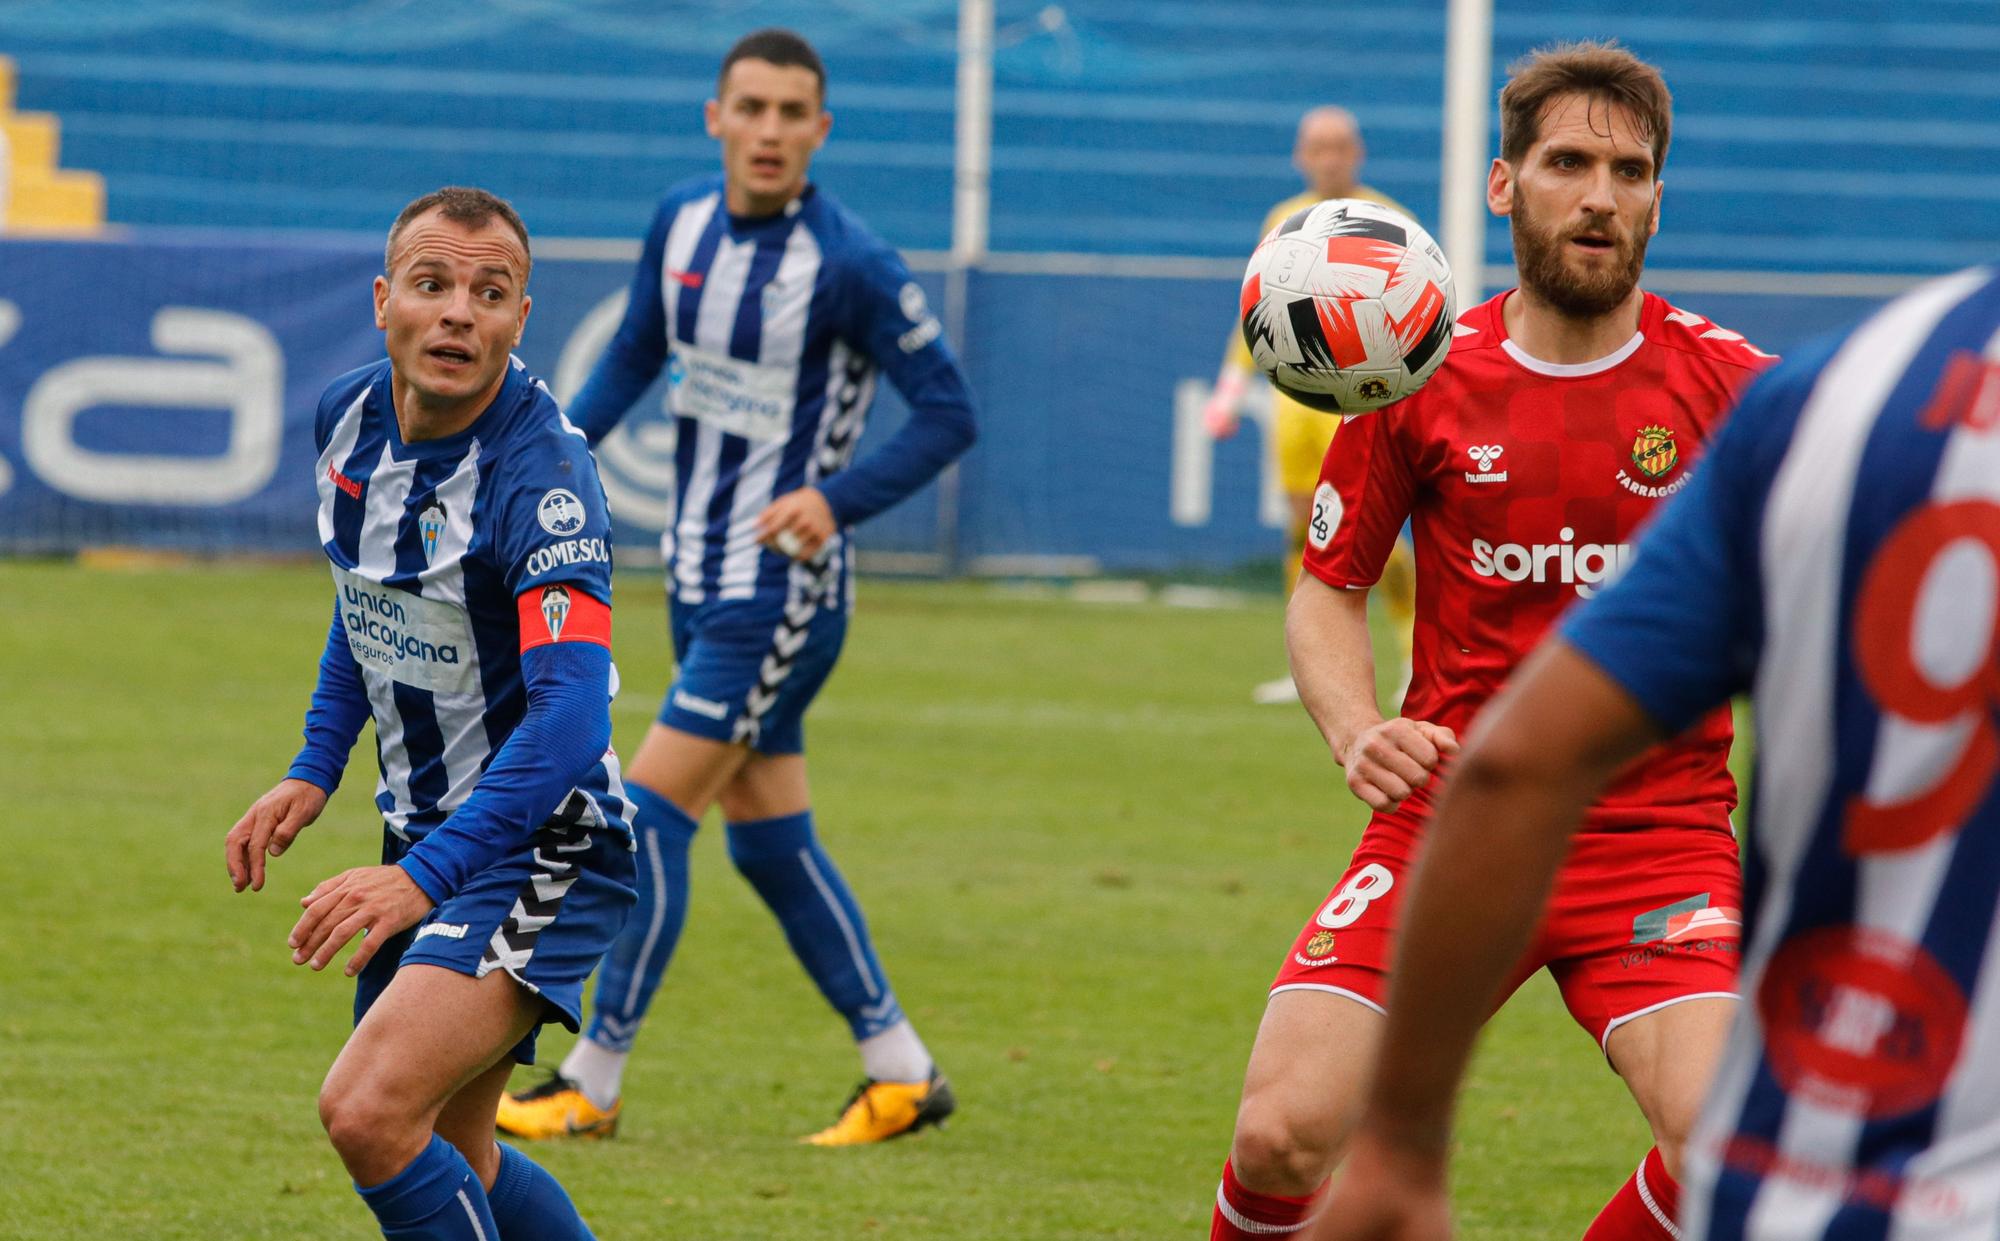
x=268 y=828
x=1388 y=762
x=797 y=523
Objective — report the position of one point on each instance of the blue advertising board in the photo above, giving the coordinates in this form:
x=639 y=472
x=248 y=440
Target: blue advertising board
x=158 y=391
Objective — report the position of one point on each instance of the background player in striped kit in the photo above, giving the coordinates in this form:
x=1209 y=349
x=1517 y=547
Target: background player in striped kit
x=772 y=308
x=469 y=543
x=1599 y=395
x=1328 y=154
x=1838 y=556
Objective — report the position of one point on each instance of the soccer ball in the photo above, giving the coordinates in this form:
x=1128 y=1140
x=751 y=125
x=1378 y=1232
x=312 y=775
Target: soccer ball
x=1347 y=306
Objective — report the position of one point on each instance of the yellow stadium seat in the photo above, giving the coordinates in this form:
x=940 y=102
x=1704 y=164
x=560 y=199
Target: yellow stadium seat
x=33 y=140
x=42 y=197
x=61 y=201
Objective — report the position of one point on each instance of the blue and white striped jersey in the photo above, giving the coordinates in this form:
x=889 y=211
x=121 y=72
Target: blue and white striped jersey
x=1839 y=555
x=432 y=546
x=772 y=330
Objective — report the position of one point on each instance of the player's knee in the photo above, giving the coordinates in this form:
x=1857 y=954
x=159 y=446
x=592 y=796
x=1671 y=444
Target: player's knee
x=1279 y=1150
x=363 y=1124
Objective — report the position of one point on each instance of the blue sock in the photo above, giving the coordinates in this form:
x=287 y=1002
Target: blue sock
x=638 y=957
x=530 y=1205
x=782 y=859
x=436 y=1198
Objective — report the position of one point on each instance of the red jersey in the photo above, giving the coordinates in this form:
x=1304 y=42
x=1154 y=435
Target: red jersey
x=1524 y=481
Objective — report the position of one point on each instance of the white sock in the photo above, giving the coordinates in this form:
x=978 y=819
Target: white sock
x=896 y=1055
x=597 y=1071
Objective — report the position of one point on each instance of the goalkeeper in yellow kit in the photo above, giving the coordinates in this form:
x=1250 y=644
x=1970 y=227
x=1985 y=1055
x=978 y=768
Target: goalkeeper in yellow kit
x=1328 y=155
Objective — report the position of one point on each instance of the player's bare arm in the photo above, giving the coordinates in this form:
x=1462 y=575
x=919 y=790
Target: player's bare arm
x=268 y=827
x=376 y=900
x=1384 y=1195
x=1332 y=654
x=1544 y=748
x=797 y=524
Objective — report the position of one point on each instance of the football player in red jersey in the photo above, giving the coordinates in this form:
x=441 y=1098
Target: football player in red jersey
x=1568 y=408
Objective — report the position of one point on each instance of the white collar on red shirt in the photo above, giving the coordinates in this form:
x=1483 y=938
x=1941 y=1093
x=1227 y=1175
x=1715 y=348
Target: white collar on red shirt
x=1573 y=370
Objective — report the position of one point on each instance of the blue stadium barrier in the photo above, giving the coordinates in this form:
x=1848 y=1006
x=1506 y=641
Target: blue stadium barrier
x=159 y=392
x=1811 y=135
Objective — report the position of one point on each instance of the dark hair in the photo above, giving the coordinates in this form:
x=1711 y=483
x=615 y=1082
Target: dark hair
x=777 y=46
x=466 y=205
x=1603 y=71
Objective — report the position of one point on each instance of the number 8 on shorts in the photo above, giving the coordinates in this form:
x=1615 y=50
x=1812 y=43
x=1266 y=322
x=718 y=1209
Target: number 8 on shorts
x=1353 y=898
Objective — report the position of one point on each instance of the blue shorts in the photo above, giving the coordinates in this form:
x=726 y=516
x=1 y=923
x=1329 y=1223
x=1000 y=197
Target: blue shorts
x=499 y=922
x=748 y=671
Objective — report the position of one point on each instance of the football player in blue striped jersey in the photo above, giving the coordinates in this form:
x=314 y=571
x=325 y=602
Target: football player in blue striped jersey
x=468 y=538
x=773 y=309
x=1837 y=556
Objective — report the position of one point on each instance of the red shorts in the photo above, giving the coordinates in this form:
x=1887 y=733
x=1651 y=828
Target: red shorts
x=1640 y=918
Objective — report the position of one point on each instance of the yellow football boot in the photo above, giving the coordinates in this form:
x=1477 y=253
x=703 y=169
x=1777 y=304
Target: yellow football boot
x=878 y=1111
x=555 y=1109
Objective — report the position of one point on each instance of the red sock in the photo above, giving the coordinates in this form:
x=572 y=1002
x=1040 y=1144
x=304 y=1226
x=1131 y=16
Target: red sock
x=1246 y=1215
x=1643 y=1209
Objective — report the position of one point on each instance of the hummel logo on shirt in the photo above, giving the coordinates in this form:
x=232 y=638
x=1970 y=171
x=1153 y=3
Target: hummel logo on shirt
x=1483 y=456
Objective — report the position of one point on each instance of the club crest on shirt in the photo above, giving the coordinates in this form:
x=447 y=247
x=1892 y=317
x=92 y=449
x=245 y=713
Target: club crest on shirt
x=555 y=610
x=1654 y=456
x=1654 y=451
x=429 y=526
x=560 y=512
x=1318 y=951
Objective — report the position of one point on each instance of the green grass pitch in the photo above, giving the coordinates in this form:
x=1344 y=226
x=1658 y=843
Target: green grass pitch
x=1081 y=850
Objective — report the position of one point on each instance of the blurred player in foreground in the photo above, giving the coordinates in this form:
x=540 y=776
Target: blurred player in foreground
x=472 y=618
x=1328 y=155
x=1839 y=556
x=1567 y=410
x=774 y=308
